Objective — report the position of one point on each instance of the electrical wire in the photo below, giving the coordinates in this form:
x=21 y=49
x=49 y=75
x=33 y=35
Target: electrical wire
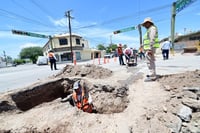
x=41 y=8
x=19 y=17
x=135 y=15
x=25 y=9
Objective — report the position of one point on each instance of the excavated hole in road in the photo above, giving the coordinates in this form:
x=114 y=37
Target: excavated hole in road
x=106 y=99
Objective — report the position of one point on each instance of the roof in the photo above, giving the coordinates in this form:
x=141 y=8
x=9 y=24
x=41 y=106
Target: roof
x=65 y=34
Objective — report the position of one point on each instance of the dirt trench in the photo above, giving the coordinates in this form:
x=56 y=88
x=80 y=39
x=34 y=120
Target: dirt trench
x=60 y=88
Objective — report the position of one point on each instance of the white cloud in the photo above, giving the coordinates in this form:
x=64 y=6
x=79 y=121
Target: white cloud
x=29 y=45
x=60 y=22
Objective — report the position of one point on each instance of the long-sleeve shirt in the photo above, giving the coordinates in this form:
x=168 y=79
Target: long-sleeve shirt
x=166 y=45
x=127 y=52
x=152 y=35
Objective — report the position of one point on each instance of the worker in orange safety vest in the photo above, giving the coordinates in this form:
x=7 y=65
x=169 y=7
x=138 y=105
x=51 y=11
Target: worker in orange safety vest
x=82 y=98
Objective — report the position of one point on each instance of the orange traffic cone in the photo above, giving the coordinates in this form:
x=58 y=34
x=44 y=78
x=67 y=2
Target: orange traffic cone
x=104 y=60
x=108 y=60
x=115 y=59
x=74 y=57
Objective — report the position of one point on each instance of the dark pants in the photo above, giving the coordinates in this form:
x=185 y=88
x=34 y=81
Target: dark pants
x=121 y=61
x=127 y=58
x=165 y=53
x=142 y=55
x=53 y=63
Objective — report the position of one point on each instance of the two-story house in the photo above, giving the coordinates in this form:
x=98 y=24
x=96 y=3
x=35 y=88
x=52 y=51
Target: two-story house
x=60 y=44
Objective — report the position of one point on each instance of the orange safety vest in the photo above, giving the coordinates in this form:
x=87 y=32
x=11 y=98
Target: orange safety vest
x=83 y=103
x=119 y=50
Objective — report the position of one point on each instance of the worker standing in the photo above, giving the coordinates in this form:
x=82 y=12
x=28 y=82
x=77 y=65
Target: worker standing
x=165 y=47
x=81 y=97
x=52 y=60
x=150 y=43
x=120 y=54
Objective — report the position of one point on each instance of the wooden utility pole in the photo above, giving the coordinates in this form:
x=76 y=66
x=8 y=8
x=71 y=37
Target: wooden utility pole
x=5 y=57
x=140 y=33
x=173 y=23
x=67 y=14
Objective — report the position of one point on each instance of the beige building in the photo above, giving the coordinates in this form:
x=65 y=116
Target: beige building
x=60 y=44
x=188 y=41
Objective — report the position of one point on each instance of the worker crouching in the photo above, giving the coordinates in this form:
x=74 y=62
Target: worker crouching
x=82 y=98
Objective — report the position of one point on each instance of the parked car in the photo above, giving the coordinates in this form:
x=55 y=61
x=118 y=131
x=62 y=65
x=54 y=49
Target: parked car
x=42 y=60
x=108 y=56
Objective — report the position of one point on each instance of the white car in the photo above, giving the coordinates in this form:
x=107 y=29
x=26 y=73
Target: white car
x=108 y=56
x=42 y=60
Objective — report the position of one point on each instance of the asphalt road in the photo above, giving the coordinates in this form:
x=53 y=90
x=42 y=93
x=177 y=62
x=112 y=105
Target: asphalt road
x=24 y=75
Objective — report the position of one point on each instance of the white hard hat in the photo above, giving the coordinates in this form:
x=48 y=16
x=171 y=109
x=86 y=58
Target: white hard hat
x=148 y=19
x=76 y=85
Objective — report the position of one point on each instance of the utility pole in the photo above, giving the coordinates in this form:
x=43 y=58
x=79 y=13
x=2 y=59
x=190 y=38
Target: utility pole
x=140 y=33
x=5 y=57
x=173 y=23
x=110 y=40
x=67 y=14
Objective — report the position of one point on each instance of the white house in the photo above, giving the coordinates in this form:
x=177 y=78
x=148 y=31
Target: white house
x=60 y=44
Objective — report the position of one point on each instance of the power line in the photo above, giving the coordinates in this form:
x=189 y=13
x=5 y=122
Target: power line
x=13 y=15
x=41 y=8
x=25 y=9
x=144 y=12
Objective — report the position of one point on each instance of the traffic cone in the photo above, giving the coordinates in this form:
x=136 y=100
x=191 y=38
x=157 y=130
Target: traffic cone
x=104 y=60
x=99 y=59
x=115 y=59
x=74 y=57
x=108 y=60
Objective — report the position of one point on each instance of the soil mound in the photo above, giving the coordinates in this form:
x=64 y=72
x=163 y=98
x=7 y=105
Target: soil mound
x=88 y=70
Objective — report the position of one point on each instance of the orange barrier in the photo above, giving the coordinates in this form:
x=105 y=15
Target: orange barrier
x=74 y=58
x=104 y=60
x=108 y=60
x=115 y=59
x=99 y=59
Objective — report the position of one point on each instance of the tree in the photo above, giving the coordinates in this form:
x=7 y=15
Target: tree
x=111 y=48
x=101 y=47
x=31 y=53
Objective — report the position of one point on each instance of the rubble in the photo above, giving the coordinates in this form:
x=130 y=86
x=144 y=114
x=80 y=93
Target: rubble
x=171 y=104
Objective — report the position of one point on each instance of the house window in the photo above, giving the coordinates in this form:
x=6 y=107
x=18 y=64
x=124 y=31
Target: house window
x=78 y=41
x=83 y=45
x=63 y=41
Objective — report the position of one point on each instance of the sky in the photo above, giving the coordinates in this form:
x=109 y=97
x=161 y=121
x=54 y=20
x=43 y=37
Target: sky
x=94 y=20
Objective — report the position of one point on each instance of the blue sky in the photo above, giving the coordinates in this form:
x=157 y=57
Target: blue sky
x=94 y=20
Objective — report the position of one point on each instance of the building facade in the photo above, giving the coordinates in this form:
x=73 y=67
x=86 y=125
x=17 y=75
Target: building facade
x=188 y=41
x=60 y=44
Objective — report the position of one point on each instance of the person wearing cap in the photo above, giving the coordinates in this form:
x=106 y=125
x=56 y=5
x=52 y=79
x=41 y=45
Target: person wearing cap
x=81 y=97
x=150 y=43
x=120 y=54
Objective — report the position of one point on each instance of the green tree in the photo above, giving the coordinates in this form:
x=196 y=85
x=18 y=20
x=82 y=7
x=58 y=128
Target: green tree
x=111 y=48
x=31 y=53
x=101 y=47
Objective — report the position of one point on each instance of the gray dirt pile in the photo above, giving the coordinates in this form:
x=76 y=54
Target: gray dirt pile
x=123 y=103
x=89 y=71
x=184 y=100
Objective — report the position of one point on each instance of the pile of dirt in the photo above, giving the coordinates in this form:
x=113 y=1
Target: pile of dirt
x=187 y=79
x=89 y=71
x=184 y=101
x=171 y=104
